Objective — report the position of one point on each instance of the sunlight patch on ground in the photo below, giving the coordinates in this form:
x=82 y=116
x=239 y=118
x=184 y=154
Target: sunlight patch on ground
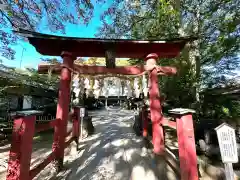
x=120 y=142
x=94 y=145
x=95 y=136
x=144 y=152
x=139 y=172
x=129 y=154
x=107 y=145
x=119 y=154
x=87 y=162
x=36 y=137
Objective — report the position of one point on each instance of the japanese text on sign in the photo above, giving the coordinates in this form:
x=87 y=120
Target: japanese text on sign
x=227 y=143
x=82 y=112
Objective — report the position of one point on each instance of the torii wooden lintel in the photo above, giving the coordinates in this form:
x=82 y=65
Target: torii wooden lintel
x=94 y=70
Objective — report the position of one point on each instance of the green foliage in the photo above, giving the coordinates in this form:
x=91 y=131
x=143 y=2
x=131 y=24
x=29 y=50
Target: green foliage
x=40 y=15
x=16 y=78
x=216 y=23
x=220 y=107
x=140 y=20
x=17 y=82
x=225 y=111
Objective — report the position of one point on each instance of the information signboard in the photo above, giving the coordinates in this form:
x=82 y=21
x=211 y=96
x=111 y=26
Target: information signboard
x=228 y=148
x=227 y=143
x=82 y=112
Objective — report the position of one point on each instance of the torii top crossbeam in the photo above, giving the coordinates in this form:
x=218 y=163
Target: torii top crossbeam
x=94 y=47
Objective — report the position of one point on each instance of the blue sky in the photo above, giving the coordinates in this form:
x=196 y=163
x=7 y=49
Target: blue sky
x=31 y=57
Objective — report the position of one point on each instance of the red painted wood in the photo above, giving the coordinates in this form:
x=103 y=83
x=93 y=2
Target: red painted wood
x=76 y=122
x=149 y=115
x=187 y=149
x=21 y=148
x=171 y=124
x=124 y=50
x=62 y=110
x=151 y=56
x=128 y=70
x=70 y=115
x=36 y=169
x=44 y=127
x=93 y=47
x=156 y=113
x=94 y=70
x=166 y=70
x=145 y=122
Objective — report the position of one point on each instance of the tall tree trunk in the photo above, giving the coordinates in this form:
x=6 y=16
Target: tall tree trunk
x=196 y=57
x=191 y=52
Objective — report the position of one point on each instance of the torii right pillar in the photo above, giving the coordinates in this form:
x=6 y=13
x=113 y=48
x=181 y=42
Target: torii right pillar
x=155 y=105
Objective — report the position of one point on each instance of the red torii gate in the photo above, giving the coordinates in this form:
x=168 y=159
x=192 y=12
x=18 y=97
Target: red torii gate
x=70 y=48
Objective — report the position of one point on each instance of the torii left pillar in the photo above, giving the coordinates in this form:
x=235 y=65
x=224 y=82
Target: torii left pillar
x=60 y=130
x=155 y=105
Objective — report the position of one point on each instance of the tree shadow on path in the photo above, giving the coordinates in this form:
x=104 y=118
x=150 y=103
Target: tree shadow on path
x=114 y=152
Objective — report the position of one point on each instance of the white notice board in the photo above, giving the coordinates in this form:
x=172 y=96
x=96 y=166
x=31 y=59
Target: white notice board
x=82 y=112
x=227 y=143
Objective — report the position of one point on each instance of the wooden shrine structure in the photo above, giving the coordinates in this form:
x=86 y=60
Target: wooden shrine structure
x=69 y=48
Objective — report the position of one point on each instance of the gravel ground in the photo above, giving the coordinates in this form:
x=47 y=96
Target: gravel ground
x=113 y=152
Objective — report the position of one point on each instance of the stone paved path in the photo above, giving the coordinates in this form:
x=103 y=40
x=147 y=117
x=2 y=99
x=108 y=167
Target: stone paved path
x=114 y=152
